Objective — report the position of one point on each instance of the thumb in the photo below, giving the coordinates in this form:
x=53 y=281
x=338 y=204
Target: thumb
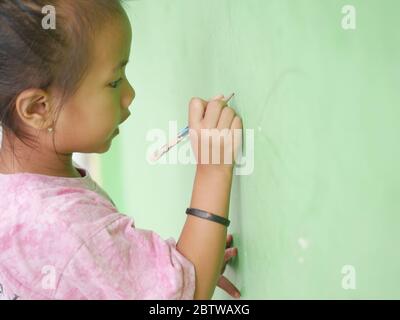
x=197 y=108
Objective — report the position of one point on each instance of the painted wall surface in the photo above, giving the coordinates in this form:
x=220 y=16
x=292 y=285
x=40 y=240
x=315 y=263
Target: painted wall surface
x=319 y=216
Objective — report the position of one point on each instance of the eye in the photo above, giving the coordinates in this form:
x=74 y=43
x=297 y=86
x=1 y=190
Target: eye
x=115 y=84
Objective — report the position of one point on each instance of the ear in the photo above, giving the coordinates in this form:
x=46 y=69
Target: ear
x=34 y=108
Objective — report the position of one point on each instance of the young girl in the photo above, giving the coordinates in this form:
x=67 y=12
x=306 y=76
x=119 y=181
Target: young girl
x=64 y=90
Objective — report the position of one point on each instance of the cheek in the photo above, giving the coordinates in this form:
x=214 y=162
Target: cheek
x=103 y=123
x=88 y=123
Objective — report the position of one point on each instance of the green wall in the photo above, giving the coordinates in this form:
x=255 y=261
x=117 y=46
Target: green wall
x=324 y=106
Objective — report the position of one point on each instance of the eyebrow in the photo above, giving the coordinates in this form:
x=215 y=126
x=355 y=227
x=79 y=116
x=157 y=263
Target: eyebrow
x=122 y=64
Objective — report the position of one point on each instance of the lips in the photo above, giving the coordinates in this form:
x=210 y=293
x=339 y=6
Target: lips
x=126 y=118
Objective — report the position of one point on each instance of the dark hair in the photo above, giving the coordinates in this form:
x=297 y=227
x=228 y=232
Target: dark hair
x=34 y=57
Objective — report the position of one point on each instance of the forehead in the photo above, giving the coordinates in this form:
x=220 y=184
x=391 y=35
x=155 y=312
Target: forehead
x=112 y=43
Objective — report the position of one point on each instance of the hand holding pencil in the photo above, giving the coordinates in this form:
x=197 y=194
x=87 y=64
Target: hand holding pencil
x=216 y=120
x=215 y=117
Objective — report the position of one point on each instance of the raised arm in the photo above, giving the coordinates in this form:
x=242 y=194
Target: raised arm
x=203 y=241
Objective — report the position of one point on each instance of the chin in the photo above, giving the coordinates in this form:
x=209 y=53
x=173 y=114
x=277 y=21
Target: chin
x=105 y=147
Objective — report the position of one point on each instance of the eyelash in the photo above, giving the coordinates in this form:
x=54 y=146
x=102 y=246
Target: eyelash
x=115 y=84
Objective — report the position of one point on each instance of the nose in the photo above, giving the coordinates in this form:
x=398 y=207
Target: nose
x=129 y=96
x=127 y=100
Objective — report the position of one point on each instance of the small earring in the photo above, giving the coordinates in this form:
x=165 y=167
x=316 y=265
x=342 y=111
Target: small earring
x=50 y=129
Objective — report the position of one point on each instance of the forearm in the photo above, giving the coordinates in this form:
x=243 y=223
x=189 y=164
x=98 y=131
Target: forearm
x=203 y=241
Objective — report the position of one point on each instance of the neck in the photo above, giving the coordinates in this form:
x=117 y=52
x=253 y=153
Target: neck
x=41 y=160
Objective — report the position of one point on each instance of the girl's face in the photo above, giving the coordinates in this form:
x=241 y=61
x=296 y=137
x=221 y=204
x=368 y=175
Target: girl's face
x=89 y=120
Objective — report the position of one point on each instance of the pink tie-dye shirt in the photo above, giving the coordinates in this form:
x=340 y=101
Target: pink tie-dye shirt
x=63 y=238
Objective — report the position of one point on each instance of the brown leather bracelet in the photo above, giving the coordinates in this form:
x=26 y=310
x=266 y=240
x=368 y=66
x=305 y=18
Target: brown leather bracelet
x=209 y=216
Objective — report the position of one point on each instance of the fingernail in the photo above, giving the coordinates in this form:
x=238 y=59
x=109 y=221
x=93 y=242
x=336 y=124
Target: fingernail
x=237 y=295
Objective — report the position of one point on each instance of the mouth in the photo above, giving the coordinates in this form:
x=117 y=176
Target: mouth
x=129 y=114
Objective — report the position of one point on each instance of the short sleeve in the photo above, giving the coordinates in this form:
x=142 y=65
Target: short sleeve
x=123 y=262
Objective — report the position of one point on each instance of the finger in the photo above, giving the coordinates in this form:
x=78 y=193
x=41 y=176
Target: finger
x=226 y=118
x=197 y=107
x=229 y=240
x=230 y=253
x=237 y=127
x=213 y=112
x=218 y=97
x=237 y=123
x=228 y=287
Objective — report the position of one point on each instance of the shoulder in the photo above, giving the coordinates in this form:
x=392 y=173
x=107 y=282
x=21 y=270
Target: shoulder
x=42 y=229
